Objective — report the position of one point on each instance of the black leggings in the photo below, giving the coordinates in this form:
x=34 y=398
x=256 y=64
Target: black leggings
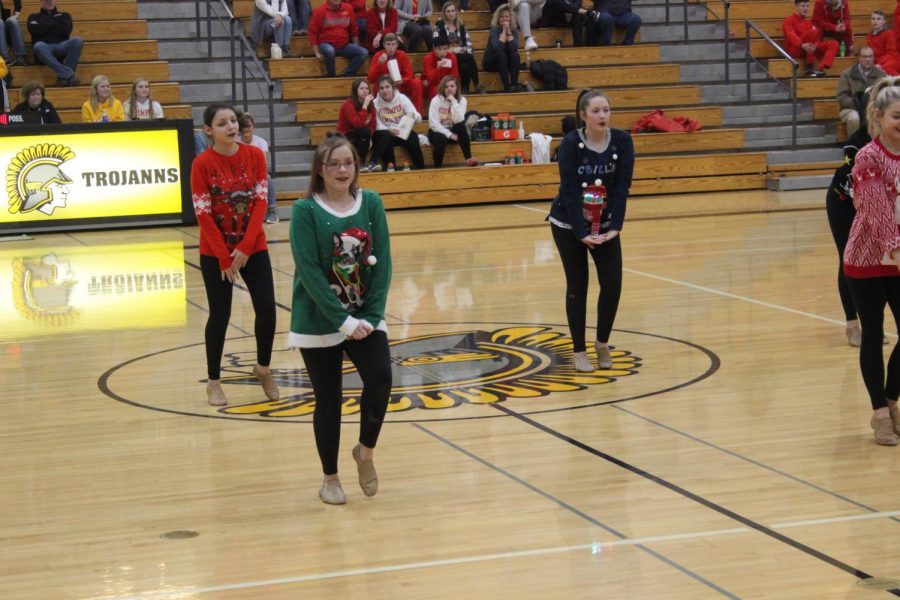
x=468 y=70
x=383 y=148
x=439 y=143
x=870 y=296
x=372 y=358
x=361 y=140
x=608 y=262
x=840 y=218
x=257 y=274
x=505 y=62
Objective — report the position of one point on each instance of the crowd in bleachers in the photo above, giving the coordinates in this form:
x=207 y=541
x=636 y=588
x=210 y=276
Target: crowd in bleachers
x=54 y=46
x=828 y=35
x=393 y=91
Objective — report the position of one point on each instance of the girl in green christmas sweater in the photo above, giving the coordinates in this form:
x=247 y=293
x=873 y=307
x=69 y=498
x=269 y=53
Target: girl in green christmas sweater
x=342 y=255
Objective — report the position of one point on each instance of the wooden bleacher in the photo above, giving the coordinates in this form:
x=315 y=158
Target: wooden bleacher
x=515 y=183
x=116 y=45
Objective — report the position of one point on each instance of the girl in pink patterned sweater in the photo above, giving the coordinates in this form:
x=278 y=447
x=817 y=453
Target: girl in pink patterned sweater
x=872 y=254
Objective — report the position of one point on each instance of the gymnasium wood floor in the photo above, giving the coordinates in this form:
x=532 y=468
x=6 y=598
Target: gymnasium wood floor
x=726 y=454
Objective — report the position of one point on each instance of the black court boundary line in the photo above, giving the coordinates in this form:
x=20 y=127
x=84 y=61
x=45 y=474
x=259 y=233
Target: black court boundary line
x=753 y=462
x=747 y=522
x=103 y=381
x=579 y=513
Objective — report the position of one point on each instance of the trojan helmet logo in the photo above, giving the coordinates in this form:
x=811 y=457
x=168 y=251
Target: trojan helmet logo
x=42 y=290
x=34 y=180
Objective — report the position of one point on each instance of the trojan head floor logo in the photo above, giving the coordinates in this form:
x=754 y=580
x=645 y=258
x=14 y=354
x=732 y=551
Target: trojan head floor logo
x=452 y=373
x=35 y=181
x=42 y=290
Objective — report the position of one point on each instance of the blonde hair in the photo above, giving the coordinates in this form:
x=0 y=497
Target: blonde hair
x=323 y=153
x=132 y=99
x=885 y=92
x=94 y=99
x=495 y=19
x=458 y=22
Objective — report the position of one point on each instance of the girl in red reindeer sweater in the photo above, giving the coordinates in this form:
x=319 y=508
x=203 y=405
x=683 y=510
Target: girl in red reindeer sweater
x=872 y=254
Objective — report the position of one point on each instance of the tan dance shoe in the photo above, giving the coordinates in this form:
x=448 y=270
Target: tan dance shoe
x=215 y=395
x=332 y=492
x=368 y=478
x=604 y=358
x=884 y=431
x=268 y=384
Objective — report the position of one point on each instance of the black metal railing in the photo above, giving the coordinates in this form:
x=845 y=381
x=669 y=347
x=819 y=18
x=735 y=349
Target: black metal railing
x=792 y=89
x=243 y=53
x=721 y=19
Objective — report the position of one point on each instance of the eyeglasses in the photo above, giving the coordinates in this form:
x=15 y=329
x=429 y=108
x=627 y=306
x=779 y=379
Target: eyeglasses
x=335 y=165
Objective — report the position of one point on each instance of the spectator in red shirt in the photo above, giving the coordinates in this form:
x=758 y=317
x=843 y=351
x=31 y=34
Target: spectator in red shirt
x=333 y=32
x=883 y=43
x=437 y=64
x=833 y=18
x=381 y=20
x=802 y=39
x=356 y=121
x=408 y=83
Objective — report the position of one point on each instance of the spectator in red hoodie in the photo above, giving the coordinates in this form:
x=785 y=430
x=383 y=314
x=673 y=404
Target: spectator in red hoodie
x=883 y=42
x=356 y=121
x=333 y=32
x=802 y=39
x=409 y=84
x=437 y=64
x=381 y=20
x=833 y=18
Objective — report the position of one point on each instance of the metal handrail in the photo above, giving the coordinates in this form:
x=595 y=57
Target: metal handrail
x=726 y=5
x=236 y=36
x=748 y=25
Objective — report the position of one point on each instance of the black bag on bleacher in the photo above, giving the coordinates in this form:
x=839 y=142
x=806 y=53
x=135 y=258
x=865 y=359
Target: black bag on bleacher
x=553 y=75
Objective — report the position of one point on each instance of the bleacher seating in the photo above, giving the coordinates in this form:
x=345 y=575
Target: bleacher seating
x=116 y=45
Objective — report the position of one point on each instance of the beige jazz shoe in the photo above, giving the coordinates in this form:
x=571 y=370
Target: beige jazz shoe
x=582 y=363
x=214 y=394
x=884 y=431
x=604 y=358
x=332 y=492
x=268 y=384
x=368 y=478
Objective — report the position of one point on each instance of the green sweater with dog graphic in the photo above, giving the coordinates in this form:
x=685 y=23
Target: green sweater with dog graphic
x=343 y=269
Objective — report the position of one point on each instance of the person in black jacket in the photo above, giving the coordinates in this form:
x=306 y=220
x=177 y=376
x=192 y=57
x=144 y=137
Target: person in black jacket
x=34 y=109
x=614 y=13
x=9 y=28
x=599 y=157
x=555 y=16
x=52 y=41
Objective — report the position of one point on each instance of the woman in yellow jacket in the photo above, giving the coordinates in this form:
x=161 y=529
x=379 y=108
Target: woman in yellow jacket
x=102 y=107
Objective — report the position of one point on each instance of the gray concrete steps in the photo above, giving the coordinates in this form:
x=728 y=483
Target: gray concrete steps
x=799 y=182
x=804 y=155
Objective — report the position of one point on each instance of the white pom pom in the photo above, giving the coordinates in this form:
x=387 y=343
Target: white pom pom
x=371 y=260
x=583 y=184
x=581 y=145
x=615 y=156
x=598 y=182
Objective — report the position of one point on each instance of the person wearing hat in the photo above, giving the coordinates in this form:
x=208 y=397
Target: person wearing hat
x=437 y=64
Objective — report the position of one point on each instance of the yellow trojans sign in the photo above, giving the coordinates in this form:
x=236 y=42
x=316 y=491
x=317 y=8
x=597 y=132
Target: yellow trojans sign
x=90 y=175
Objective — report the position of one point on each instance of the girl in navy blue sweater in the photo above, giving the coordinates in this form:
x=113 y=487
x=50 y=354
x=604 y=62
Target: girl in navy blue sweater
x=594 y=154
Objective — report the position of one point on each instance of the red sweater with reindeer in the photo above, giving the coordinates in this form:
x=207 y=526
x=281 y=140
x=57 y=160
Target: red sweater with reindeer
x=230 y=195
x=875 y=232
